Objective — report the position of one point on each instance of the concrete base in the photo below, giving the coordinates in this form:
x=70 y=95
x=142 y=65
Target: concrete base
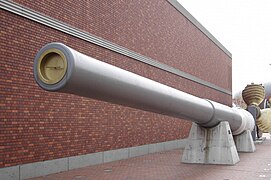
x=211 y=146
x=244 y=142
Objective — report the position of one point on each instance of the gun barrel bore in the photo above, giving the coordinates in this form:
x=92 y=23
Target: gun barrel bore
x=52 y=66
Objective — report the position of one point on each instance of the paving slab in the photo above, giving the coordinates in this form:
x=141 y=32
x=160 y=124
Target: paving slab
x=166 y=165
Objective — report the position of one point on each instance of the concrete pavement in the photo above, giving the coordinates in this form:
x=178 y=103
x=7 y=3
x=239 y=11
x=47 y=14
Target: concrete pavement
x=167 y=165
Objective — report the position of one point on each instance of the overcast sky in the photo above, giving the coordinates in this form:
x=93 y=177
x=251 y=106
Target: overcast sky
x=244 y=28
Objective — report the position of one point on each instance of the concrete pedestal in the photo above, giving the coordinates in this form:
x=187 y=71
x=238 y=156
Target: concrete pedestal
x=244 y=142
x=211 y=146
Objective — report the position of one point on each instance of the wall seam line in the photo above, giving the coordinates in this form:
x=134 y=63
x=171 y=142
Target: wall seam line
x=68 y=29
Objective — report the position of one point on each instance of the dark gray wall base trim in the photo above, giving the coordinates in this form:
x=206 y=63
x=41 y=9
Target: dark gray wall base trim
x=63 y=27
x=184 y=12
x=31 y=170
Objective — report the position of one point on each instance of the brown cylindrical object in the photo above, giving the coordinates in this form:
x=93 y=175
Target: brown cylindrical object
x=253 y=94
x=264 y=121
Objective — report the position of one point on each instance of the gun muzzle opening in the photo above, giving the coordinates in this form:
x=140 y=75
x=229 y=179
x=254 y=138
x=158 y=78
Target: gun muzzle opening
x=52 y=66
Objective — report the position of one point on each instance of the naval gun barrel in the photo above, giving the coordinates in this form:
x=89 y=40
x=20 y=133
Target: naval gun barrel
x=58 y=67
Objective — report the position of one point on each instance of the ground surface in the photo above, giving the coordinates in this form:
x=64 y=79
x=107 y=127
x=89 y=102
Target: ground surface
x=167 y=165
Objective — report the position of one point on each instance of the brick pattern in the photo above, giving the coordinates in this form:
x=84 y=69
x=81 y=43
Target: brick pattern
x=152 y=28
x=36 y=125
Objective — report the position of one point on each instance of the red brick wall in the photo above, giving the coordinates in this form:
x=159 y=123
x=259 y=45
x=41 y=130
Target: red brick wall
x=152 y=28
x=36 y=125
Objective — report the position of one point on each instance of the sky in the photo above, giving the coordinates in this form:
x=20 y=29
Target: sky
x=244 y=28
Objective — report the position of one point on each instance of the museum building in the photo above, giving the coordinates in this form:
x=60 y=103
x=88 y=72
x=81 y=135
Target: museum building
x=159 y=40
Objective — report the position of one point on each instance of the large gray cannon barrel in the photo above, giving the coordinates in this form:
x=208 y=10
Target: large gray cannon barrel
x=60 y=68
